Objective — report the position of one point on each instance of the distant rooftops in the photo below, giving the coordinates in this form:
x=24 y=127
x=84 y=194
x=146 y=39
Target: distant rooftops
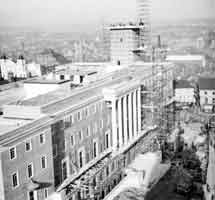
x=207 y=83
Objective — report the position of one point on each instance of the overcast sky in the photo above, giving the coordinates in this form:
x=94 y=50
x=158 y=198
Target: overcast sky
x=72 y=12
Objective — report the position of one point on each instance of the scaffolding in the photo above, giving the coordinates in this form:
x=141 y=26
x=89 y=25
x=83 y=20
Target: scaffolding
x=144 y=15
x=157 y=107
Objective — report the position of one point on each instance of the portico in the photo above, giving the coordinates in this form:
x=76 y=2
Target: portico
x=124 y=102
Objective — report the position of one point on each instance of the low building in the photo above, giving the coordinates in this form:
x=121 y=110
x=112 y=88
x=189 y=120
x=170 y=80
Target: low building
x=183 y=92
x=207 y=93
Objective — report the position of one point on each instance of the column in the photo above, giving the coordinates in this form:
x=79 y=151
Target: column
x=135 y=112
x=119 y=102
x=139 y=109
x=125 y=119
x=130 y=120
x=114 y=126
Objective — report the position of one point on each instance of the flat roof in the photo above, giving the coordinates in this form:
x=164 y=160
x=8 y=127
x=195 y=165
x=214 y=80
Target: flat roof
x=45 y=81
x=185 y=57
x=12 y=95
x=75 y=95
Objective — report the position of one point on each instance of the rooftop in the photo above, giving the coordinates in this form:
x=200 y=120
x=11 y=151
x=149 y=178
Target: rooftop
x=44 y=81
x=64 y=97
x=182 y=84
x=206 y=83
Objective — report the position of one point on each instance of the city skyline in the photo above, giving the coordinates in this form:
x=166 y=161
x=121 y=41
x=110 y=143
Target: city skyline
x=66 y=14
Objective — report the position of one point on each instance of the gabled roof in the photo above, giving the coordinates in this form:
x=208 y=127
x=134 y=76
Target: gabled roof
x=206 y=83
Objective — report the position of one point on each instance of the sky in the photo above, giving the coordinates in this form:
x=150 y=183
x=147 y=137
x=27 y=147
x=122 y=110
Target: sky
x=74 y=13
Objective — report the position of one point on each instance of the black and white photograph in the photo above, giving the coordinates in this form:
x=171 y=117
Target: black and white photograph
x=107 y=99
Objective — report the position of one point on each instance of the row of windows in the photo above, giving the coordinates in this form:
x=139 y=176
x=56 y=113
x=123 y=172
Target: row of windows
x=69 y=120
x=28 y=146
x=30 y=171
x=80 y=134
x=207 y=93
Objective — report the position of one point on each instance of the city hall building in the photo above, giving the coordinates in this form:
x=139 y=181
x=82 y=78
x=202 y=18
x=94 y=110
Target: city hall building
x=75 y=141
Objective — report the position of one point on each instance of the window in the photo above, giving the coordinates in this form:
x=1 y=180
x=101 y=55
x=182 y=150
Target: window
x=79 y=116
x=107 y=171
x=80 y=135
x=30 y=170
x=28 y=146
x=206 y=93
x=88 y=131
x=64 y=169
x=12 y=153
x=213 y=93
x=43 y=162
x=62 y=77
x=15 y=181
x=121 y=40
x=68 y=121
x=86 y=112
x=213 y=100
x=55 y=150
x=31 y=195
x=81 y=159
x=46 y=193
x=107 y=140
x=42 y=138
x=72 y=140
x=94 y=149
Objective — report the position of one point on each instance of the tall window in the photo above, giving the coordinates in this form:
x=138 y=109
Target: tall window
x=107 y=140
x=28 y=146
x=94 y=149
x=88 y=131
x=79 y=116
x=80 y=135
x=64 y=169
x=72 y=140
x=43 y=162
x=15 y=181
x=42 y=138
x=46 y=193
x=81 y=159
x=30 y=170
x=86 y=112
x=31 y=195
x=12 y=153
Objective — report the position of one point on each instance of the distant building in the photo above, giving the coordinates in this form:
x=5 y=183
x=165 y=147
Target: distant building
x=183 y=92
x=125 y=43
x=19 y=69
x=207 y=93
